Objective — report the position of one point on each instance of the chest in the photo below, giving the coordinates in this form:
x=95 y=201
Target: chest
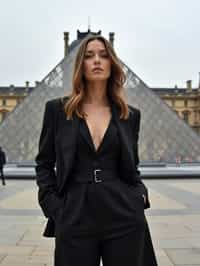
x=97 y=122
x=66 y=131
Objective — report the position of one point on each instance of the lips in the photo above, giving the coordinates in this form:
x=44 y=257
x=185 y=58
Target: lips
x=97 y=69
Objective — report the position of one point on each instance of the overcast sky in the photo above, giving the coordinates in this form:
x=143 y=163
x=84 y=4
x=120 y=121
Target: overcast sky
x=158 y=39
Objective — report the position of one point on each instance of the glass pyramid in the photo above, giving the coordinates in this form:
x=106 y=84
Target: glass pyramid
x=163 y=135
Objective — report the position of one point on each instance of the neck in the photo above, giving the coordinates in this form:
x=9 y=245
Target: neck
x=96 y=93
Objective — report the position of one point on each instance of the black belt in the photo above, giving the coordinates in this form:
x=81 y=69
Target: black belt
x=95 y=176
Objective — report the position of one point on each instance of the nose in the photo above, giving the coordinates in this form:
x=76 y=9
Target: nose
x=96 y=58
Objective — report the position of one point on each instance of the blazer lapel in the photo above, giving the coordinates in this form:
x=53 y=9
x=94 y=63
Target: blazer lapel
x=126 y=138
x=69 y=140
x=86 y=134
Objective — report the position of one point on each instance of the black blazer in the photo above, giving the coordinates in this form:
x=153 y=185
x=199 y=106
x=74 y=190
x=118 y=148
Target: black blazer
x=57 y=148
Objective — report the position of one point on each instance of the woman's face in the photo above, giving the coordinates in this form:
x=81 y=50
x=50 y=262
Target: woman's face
x=97 y=64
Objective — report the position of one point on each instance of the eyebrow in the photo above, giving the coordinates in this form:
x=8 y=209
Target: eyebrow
x=91 y=51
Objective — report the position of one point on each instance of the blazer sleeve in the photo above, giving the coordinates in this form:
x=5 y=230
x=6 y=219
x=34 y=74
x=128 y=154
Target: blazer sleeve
x=45 y=165
x=139 y=182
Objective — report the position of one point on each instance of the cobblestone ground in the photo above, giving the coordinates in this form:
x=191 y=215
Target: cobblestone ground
x=174 y=221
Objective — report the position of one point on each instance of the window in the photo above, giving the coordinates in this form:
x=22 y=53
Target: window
x=4 y=102
x=186 y=116
x=3 y=114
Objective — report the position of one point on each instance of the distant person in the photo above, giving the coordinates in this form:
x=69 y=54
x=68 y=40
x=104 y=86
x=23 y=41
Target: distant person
x=2 y=162
x=95 y=199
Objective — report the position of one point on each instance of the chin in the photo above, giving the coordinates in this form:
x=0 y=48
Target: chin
x=98 y=77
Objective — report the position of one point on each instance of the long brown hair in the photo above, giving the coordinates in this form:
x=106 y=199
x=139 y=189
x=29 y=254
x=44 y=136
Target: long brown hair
x=115 y=89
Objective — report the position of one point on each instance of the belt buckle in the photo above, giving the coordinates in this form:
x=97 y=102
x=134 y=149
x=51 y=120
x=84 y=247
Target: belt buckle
x=95 y=176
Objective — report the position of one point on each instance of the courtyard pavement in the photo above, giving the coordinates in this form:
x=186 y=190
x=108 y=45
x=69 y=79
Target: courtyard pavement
x=174 y=221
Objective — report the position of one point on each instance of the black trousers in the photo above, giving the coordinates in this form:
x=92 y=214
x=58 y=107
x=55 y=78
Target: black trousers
x=2 y=176
x=88 y=229
x=124 y=250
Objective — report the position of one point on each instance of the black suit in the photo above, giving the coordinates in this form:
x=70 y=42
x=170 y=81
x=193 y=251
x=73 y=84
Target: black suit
x=57 y=131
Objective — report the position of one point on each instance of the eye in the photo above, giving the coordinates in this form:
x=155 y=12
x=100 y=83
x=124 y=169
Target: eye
x=87 y=55
x=105 y=55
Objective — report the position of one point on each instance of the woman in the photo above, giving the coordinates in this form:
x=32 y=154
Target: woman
x=96 y=198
